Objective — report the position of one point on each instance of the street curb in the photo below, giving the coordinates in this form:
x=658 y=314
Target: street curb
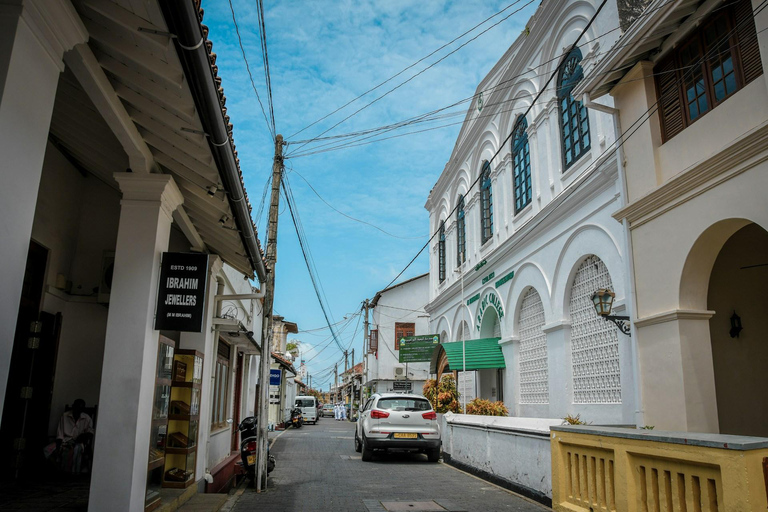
x=518 y=490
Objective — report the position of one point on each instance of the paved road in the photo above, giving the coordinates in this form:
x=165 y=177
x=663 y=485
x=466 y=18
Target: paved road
x=319 y=470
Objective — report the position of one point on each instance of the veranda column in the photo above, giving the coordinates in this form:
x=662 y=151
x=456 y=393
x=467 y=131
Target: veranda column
x=130 y=352
x=32 y=43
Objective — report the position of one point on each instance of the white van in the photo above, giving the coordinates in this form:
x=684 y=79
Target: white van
x=308 y=406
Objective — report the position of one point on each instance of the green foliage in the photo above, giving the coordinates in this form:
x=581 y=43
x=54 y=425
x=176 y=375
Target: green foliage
x=444 y=397
x=315 y=393
x=647 y=427
x=482 y=407
x=574 y=420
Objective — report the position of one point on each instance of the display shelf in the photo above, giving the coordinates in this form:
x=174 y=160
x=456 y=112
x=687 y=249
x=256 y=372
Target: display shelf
x=183 y=419
x=159 y=422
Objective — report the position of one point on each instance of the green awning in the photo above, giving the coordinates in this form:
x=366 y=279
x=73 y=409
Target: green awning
x=480 y=354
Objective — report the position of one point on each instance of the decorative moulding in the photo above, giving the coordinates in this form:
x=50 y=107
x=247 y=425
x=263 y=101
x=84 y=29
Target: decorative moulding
x=744 y=154
x=56 y=25
x=150 y=187
x=673 y=316
x=556 y=326
x=508 y=340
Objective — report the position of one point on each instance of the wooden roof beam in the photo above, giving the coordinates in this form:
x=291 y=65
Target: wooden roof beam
x=89 y=73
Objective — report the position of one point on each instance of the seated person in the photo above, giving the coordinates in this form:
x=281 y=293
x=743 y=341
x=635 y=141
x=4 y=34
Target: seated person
x=73 y=435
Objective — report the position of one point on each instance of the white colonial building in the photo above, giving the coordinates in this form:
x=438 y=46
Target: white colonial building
x=524 y=211
x=398 y=311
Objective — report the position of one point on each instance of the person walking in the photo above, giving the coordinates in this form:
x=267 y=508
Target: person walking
x=343 y=412
x=336 y=412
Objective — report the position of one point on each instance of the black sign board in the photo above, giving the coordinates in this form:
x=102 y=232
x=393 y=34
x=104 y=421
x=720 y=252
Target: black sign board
x=402 y=385
x=181 y=292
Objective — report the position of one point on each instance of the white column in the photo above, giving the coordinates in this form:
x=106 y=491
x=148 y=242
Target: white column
x=130 y=352
x=560 y=368
x=32 y=42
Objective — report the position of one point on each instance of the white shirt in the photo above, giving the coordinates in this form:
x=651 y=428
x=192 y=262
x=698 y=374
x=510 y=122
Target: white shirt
x=69 y=429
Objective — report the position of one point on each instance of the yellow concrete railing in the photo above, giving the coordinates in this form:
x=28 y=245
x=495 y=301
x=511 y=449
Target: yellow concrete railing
x=628 y=470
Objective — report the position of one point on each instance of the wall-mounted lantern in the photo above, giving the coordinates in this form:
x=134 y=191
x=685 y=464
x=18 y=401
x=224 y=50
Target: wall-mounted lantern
x=603 y=302
x=735 y=325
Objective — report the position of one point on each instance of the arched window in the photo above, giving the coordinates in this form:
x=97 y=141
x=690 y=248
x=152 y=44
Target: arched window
x=486 y=204
x=441 y=252
x=521 y=158
x=461 y=233
x=574 y=121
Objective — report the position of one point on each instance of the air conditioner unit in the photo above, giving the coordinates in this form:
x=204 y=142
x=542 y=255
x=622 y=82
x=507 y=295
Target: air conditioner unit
x=400 y=373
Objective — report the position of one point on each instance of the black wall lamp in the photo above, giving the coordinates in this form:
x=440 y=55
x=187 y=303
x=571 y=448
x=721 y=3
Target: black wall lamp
x=603 y=301
x=735 y=325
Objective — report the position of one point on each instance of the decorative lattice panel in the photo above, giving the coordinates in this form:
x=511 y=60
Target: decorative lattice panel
x=534 y=385
x=594 y=342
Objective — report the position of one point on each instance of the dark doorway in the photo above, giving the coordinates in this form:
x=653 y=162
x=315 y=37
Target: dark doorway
x=238 y=400
x=24 y=428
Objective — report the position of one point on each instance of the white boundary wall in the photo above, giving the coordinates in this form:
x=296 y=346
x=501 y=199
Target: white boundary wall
x=511 y=449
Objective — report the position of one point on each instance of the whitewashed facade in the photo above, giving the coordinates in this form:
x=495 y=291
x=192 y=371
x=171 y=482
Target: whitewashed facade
x=403 y=304
x=537 y=248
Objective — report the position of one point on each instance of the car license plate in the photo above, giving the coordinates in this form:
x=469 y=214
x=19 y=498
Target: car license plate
x=251 y=460
x=404 y=435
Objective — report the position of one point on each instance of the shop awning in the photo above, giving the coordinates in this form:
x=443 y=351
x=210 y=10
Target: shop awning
x=480 y=354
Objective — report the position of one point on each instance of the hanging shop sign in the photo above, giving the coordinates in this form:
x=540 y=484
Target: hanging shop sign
x=181 y=292
x=274 y=377
x=489 y=300
x=418 y=349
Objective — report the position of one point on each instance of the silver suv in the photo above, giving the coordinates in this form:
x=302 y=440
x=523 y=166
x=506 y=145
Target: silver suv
x=392 y=420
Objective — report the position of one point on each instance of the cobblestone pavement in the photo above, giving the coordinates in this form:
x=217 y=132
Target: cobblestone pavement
x=319 y=470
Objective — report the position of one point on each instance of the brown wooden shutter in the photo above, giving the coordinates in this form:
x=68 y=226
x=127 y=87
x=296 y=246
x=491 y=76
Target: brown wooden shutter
x=749 y=50
x=373 y=342
x=670 y=104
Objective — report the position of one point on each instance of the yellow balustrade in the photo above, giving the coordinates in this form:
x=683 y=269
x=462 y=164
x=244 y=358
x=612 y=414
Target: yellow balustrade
x=628 y=470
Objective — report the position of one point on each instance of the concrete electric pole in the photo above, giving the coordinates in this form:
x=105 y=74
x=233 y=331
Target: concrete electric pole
x=266 y=327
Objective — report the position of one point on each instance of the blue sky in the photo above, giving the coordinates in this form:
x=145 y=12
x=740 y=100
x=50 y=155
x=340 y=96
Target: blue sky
x=323 y=54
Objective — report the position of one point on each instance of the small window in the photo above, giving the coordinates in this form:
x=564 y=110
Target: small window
x=403 y=330
x=486 y=203
x=521 y=159
x=221 y=386
x=373 y=341
x=441 y=252
x=574 y=119
x=714 y=62
x=461 y=232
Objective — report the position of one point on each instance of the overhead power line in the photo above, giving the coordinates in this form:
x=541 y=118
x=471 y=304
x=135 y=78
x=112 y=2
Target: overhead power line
x=422 y=71
x=270 y=126
x=619 y=142
x=329 y=205
x=404 y=70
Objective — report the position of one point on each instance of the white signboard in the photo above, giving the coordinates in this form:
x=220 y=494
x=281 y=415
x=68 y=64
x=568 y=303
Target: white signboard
x=467 y=386
x=274 y=394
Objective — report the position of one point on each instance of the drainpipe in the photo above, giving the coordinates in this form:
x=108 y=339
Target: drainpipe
x=629 y=261
x=183 y=22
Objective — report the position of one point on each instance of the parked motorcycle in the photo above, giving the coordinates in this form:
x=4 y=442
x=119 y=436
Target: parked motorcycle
x=249 y=448
x=296 y=419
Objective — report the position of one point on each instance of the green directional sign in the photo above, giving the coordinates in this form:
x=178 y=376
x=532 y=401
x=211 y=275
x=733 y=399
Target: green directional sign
x=418 y=349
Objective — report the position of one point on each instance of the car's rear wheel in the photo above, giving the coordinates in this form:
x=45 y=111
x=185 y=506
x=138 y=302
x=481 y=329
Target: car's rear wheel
x=367 y=452
x=433 y=455
x=358 y=446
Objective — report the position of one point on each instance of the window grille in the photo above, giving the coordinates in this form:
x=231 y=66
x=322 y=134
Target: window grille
x=521 y=158
x=594 y=342
x=717 y=60
x=574 y=119
x=534 y=370
x=403 y=330
x=461 y=232
x=486 y=203
x=441 y=252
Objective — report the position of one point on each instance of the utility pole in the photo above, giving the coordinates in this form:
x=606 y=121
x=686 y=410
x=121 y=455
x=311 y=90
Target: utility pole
x=352 y=385
x=366 y=351
x=266 y=327
x=346 y=368
x=336 y=379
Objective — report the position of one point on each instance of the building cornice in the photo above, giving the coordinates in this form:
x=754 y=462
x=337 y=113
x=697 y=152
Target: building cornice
x=745 y=153
x=673 y=316
x=55 y=24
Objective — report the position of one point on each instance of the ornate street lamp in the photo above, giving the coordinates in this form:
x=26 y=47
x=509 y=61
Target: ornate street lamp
x=603 y=302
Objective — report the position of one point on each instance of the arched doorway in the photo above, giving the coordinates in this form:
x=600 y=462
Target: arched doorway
x=737 y=286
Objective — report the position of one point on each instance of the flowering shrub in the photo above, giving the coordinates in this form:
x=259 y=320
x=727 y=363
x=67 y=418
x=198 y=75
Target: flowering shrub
x=444 y=397
x=482 y=407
